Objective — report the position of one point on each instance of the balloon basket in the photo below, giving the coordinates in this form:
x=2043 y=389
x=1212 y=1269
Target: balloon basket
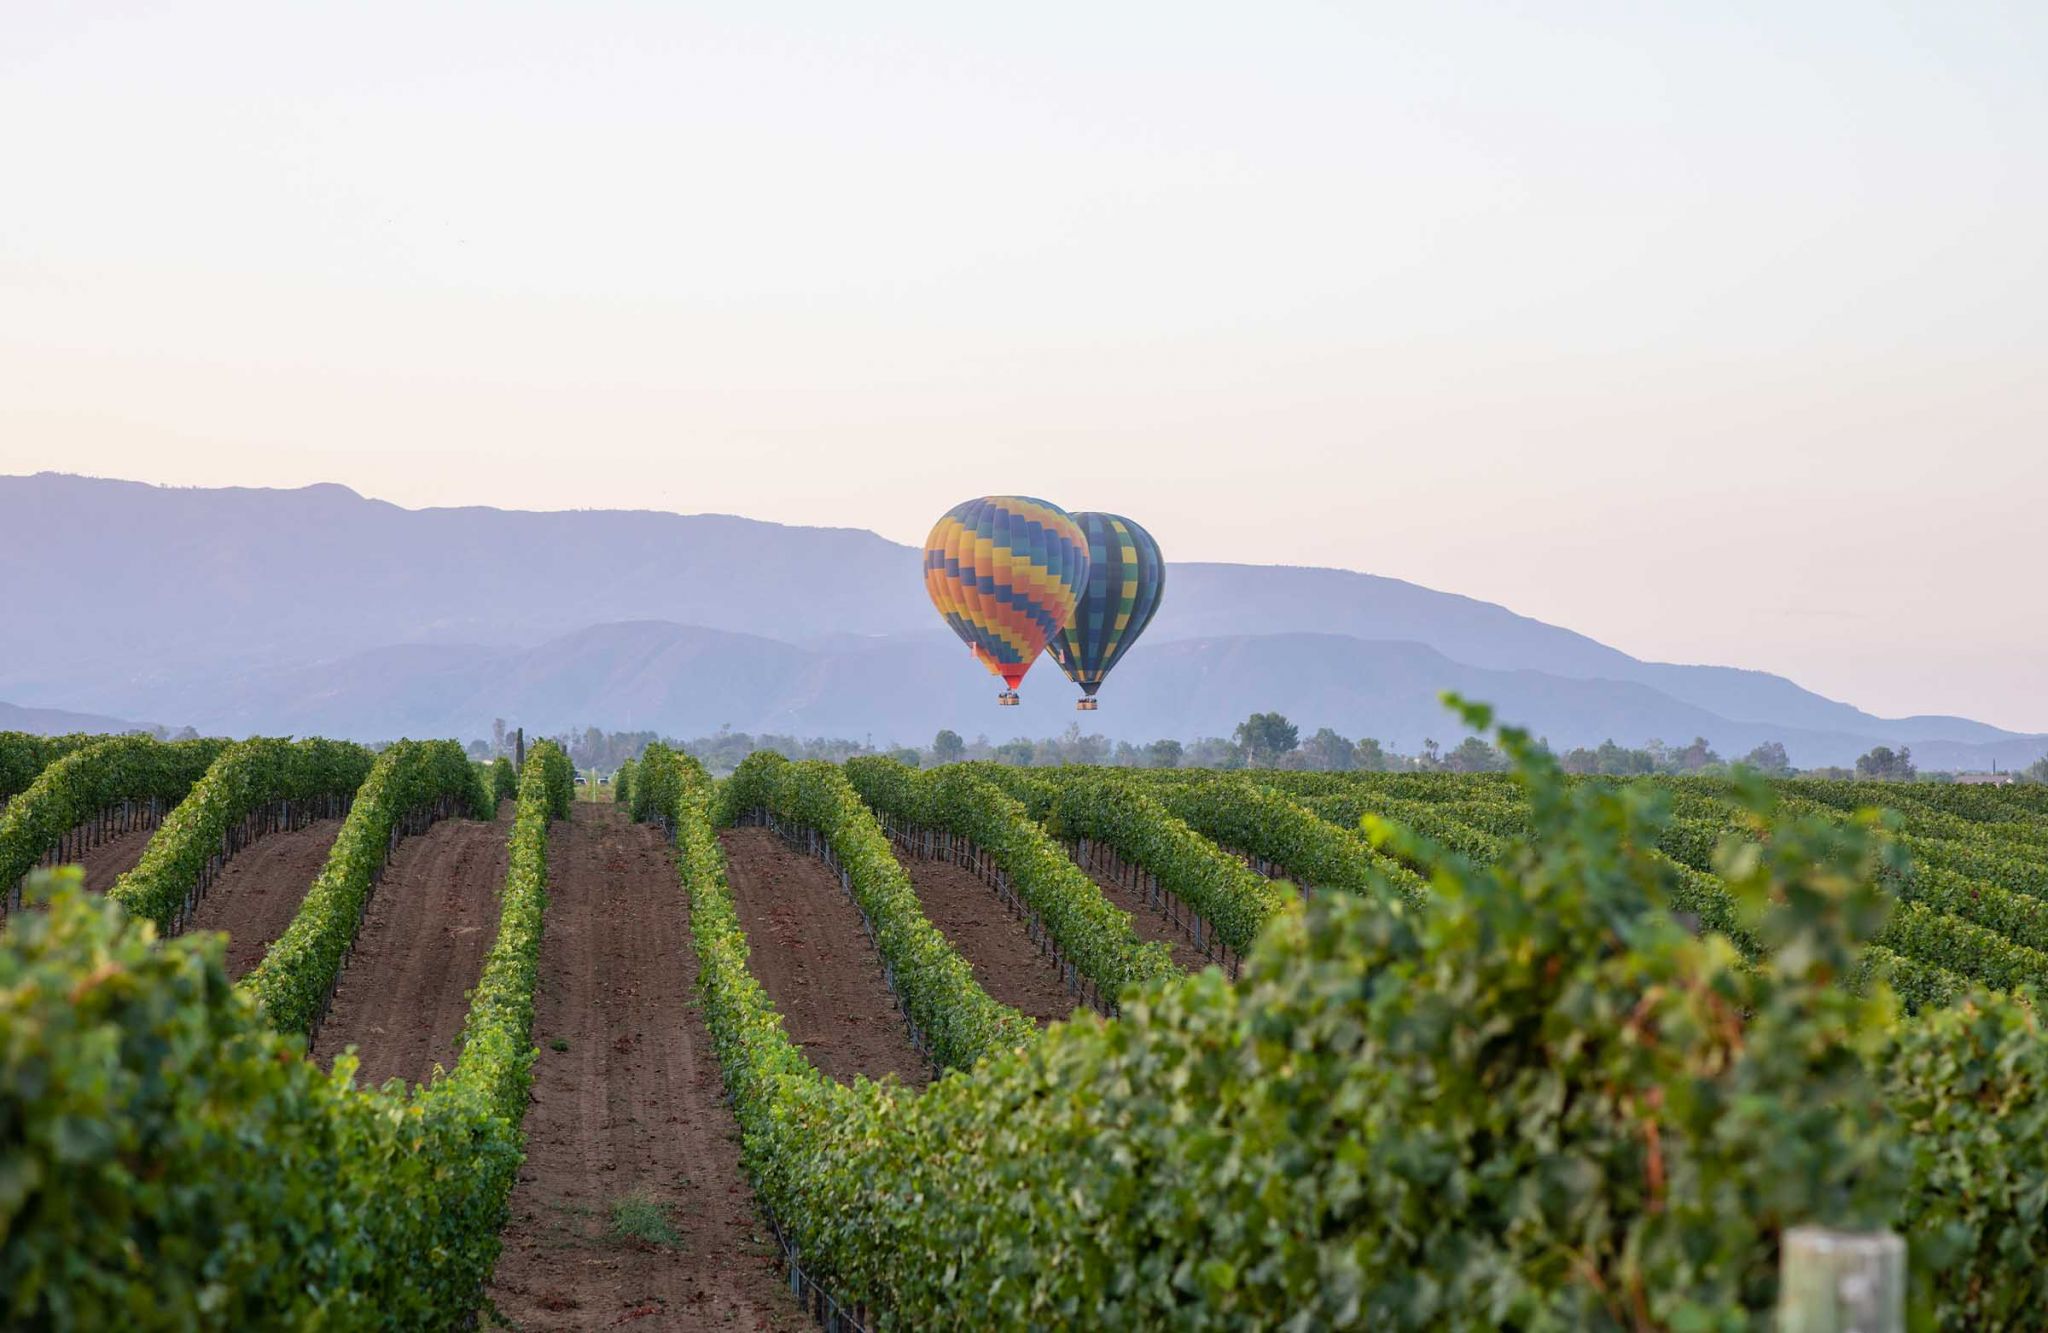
x=1086 y=705
x=1008 y=699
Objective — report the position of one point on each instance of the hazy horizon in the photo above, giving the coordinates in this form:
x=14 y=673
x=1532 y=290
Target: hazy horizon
x=1715 y=333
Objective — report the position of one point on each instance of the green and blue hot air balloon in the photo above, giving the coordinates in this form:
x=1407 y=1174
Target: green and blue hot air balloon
x=1126 y=576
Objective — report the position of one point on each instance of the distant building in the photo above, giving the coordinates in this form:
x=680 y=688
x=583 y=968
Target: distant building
x=1984 y=779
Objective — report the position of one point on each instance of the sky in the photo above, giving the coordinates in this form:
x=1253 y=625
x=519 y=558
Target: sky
x=1716 y=331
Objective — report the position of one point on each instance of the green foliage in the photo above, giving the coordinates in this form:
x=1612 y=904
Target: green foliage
x=1109 y=808
x=246 y=776
x=1527 y=1098
x=1092 y=932
x=504 y=781
x=1252 y=818
x=85 y=781
x=167 y=1161
x=558 y=778
x=1264 y=737
x=657 y=782
x=24 y=755
x=1972 y=897
x=297 y=974
x=622 y=785
x=958 y=1020
x=1882 y=765
x=1969 y=1086
x=1536 y=1102
x=639 y=1216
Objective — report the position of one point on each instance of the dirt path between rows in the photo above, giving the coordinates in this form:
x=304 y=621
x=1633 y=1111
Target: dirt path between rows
x=260 y=888
x=628 y=1104
x=811 y=954
x=994 y=941
x=114 y=858
x=404 y=995
x=1149 y=922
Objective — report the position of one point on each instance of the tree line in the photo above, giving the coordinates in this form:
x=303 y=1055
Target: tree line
x=1262 y=740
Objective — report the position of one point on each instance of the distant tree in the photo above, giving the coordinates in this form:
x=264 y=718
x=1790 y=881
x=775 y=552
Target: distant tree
x=1580 y=760
x=1127 y=755
x=1431 y=760
x=1620 y=761
x=1328 y=751
x=903 y=754
x=1214 y=752
x=947 y=747
x=1770 y=760
x=1694 y=758
x=1831 y=771
x=1263 y=737
x=498 y=745
x=1018 y=752
x=1474 y=755
x=1163 y=754
x=2036 y=771
x=1881 y=765
x=480 y=750
x=1370 y=756
x=1075 y=748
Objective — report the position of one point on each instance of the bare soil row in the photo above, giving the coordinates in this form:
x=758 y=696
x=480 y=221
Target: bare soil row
x=259 y=889
x=404 y=995
x=629 y=1113
x=114 y=858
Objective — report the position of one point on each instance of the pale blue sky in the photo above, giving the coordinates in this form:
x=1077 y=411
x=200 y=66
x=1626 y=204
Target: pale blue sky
x=1715 y=331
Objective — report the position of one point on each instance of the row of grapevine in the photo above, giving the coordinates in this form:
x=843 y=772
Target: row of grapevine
x=502 y=780
x=242 y=781
x=276 y=1196
x=23 y=756
x=1090 y=933
x=82 y=785
x=1948 y=929
x=953 y=1019
x=1261 y=822
x=411 y=784
x=1393 y=1160
x=1232 y=901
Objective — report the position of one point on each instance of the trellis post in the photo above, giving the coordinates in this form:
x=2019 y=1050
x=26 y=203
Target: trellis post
x=1841 y=1282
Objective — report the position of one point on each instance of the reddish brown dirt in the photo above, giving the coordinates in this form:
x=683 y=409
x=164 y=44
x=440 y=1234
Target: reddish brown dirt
x=812 y=956
x=634 y=1104
x=404 y=995
x=260 y=889
x=994 y=941
x=1150 y=923
x=114 y=858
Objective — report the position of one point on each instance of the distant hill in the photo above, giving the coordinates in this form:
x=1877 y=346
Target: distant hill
x=318 y=611
x=59 y=722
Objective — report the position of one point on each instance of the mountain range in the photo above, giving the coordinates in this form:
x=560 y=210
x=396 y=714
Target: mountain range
x=317 y=611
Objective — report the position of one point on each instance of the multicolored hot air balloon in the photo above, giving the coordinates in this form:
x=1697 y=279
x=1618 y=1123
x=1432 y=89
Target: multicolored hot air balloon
x=1005 y=571
x=1126 y=576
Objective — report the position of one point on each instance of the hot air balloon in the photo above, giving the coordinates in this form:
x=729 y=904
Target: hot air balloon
x=1004 y=571
x=1126 y=576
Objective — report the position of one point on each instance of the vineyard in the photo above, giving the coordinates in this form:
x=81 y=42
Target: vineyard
x=297 y=1034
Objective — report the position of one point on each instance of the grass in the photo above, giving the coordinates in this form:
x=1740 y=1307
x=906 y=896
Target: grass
x=640 y=1216
x=559 y=1044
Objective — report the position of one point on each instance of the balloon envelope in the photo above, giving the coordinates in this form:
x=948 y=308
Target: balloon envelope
x=1126 y=577
x=1005 y=571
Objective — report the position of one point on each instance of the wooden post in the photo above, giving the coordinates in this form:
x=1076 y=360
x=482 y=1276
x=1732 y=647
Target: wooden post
x=1841 y=1282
